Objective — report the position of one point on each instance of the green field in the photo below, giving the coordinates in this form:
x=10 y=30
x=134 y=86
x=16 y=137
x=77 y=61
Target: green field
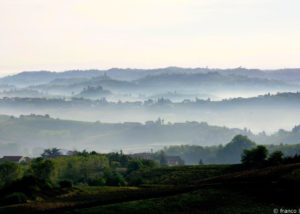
x=185 y=189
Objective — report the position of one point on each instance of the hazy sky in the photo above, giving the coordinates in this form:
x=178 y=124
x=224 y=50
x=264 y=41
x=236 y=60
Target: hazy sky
x=66 y=34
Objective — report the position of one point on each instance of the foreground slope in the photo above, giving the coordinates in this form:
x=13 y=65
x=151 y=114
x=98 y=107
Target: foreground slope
x=237 y=191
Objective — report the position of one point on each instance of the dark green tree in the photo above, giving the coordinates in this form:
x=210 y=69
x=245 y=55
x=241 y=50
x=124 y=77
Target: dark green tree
x=255 y=157
x=162 y=158
x=9 y=172
x=42 y=168
x=231 y=153
x=134 y=165
x=200 y=162
x=275 y=158
x=51 y=153
x=114 y=179
x=149 y=163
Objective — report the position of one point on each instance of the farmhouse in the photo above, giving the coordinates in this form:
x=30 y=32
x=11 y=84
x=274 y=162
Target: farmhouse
x=15 y=159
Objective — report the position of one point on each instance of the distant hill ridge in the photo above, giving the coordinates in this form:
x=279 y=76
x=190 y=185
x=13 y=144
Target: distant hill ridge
x=43 y=76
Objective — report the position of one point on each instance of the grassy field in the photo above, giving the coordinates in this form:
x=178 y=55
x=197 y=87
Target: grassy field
x=183 y=175
x=252 y=191
x=206 y=200
x=186 y=189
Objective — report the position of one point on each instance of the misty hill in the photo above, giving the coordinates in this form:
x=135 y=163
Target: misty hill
x=27 y=78
x=263 y=113
x=72 y=86
x=28 y=93
x=176 y=84
x=208 y=80
x=34 y=132
x=39 y=77
x=230 y=152
x=211 y=85
x=4 y=87
x=291 y=75
x=93 y=92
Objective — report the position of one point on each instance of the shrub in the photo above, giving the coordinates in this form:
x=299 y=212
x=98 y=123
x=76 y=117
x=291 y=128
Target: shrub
x=14 y=198
x=275 y=158
x=9 y=172
x=42 y=168
x=28 y=185
x=96 y=182
x=255 y=157
x=115 y=179
x=292 y=159
x=135 y=180
x=134 y=165
x=65 y=184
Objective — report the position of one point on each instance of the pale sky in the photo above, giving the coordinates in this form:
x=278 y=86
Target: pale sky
x=82 y=34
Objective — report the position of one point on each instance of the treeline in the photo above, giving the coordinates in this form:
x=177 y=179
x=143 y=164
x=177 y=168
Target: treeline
x=61 y=101
x=80 y=168
x=225 y=154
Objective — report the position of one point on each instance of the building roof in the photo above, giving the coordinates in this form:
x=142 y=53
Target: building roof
x=16 y=159
x=12 y=158
x=173 y=159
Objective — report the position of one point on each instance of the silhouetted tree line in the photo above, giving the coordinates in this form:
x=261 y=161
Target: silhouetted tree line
x=77 y=167
x=231 y=152
x=260 y=157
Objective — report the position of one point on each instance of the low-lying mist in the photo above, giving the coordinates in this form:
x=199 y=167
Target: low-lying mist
x=115 y=109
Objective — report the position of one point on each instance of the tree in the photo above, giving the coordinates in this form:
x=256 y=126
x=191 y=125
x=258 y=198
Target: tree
x=120 y=158
x=255 y=157
x=231 y=153
x=275 y=158
x=149 y=163
x=162 y=159
x=93 y=153
x=84 y=153
x=134 y=165
x=9 y=172
x=114 y=179
x=200 y=162
x=42 y=168
x=50 y=153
